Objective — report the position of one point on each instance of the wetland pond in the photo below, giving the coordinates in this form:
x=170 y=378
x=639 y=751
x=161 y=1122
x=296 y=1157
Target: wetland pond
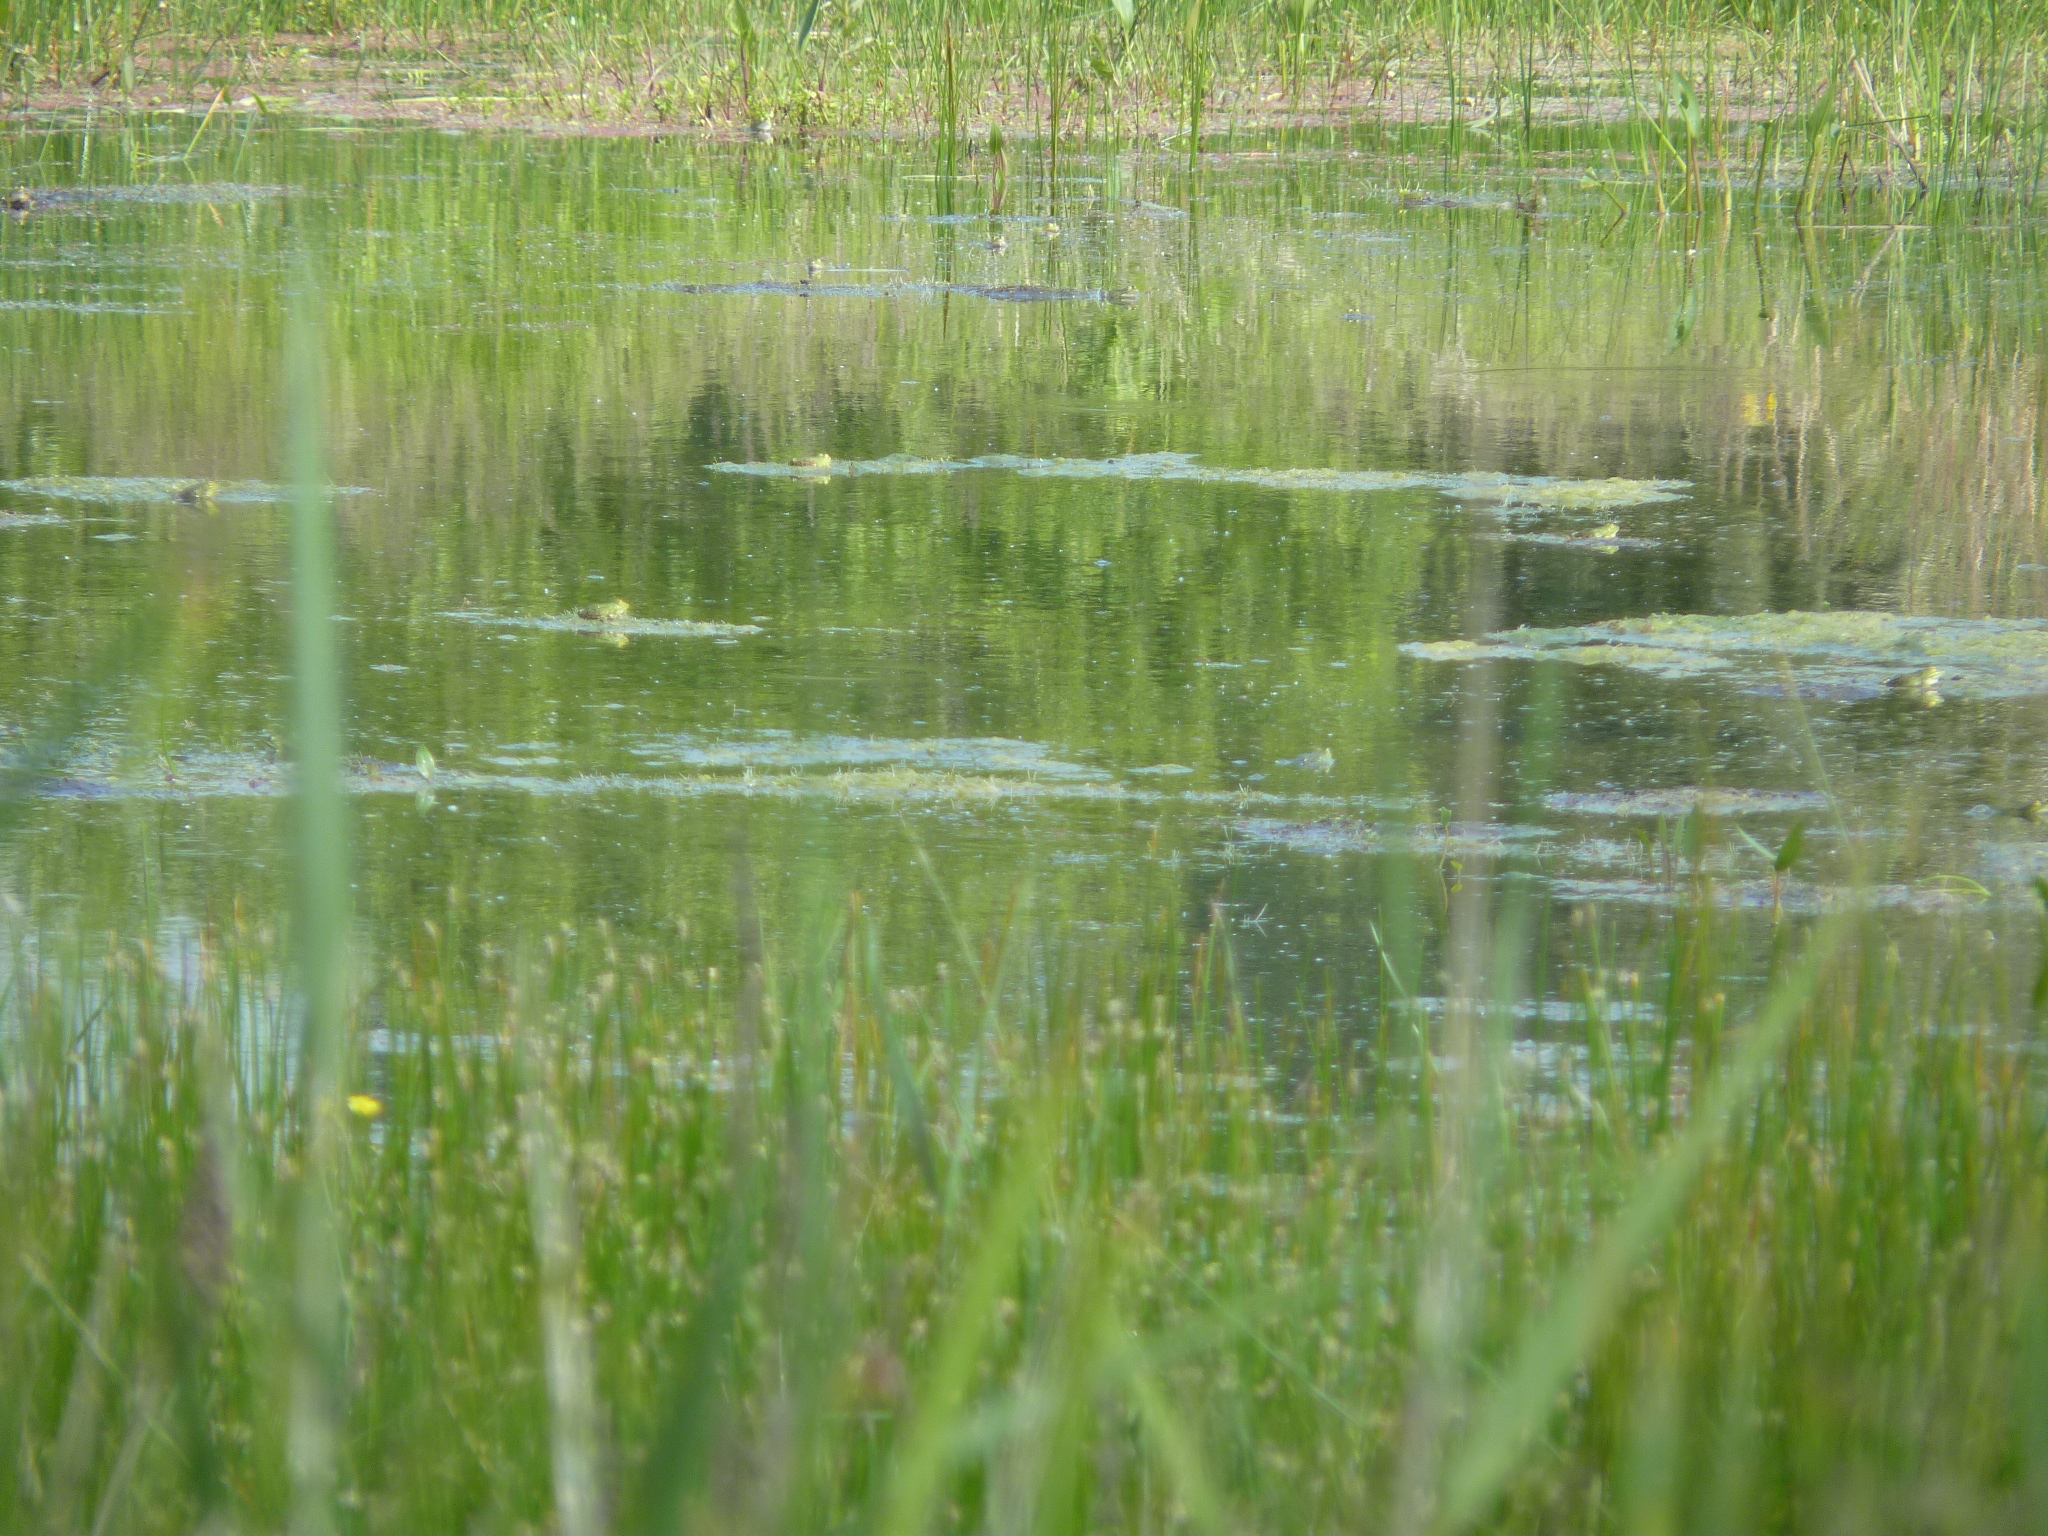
x=1254 y=524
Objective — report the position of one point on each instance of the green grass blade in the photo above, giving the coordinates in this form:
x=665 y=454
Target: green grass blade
x=1554 y=1344
x=917 y=1474
x=319 y=1369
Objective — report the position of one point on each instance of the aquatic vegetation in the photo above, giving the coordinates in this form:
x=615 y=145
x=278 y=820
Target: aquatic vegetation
x=1676 y=803
x=85 y=307
x=56 y=199
x=1484 y=486
x=1345 y=835
x=1595 y=540
x=1845 y=655
x=891 y=1206
x=116 y=489
x=775 y=750
x=1001 y=293
x=602 y=621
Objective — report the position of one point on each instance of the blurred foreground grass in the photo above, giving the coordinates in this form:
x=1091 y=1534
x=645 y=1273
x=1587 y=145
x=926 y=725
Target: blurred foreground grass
x=647 y=1237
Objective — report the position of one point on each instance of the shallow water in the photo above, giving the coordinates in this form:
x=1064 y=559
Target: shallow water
x=1173 y=561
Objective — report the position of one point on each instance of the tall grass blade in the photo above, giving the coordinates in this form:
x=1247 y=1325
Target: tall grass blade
x=320 y=863
x=573 y=1435
x=923 y=1454
x=1554 y=1344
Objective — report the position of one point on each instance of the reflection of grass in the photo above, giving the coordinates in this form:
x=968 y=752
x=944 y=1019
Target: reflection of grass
x=952 y=1249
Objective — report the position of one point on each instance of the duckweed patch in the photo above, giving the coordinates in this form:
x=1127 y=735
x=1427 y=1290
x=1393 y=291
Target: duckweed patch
x=1850 y=655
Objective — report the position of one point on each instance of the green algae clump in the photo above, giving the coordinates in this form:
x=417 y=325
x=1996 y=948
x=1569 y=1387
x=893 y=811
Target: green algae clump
x=1854 y=654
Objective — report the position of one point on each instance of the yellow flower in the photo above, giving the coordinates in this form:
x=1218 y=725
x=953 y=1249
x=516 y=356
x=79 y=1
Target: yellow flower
x=365 y=1106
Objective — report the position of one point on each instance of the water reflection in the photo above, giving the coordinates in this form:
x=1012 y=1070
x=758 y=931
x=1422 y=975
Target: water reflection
x=1136 y=601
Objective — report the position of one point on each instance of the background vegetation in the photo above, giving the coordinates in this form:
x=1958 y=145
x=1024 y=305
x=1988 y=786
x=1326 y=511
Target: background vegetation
x=1922 y=93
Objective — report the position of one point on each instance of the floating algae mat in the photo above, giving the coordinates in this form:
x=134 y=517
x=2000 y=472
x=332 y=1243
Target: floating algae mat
x=112 y=489
x=148 y=194
x=1339 y=835
x=86 y=307
x=1831 y=655
x=784 y=750
x=576 y=624
x=206 y=776
x=1001 y=293
x=1502 y=490
x=1676 y=803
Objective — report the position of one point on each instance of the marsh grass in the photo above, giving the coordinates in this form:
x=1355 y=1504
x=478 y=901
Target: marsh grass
x=651 y=1236
x=1936 y=98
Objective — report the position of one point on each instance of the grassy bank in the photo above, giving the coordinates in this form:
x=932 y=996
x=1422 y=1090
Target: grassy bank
x=654 y=1237
x=1922 y=95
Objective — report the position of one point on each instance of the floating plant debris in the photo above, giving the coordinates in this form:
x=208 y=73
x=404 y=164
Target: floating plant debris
x=1342 y=835
x=214 y=776
x=1796 y=897
x=576 y=624
x=1001 y=293
x=88 y=307
x=1851 y=655
x=1500 y=489
x=785 y=750
x=1579 y=541
x=1675 y=803
x=146 y=488
x=160 y=194
x=767 y=764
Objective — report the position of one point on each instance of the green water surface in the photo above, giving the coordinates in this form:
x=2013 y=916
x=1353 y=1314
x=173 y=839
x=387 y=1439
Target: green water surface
x=1150 y=572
